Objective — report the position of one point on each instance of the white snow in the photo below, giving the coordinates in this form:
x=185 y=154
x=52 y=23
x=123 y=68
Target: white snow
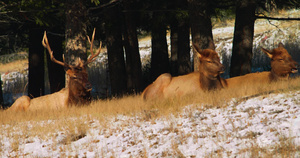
x=196 y=132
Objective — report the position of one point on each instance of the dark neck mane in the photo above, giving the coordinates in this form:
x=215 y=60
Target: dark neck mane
x=78 y=96
x=276 y=77
x=208 y=84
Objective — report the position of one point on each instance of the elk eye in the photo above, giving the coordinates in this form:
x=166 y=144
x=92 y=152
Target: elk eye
x=73 y=77
x=209 y=61
x=280 y=59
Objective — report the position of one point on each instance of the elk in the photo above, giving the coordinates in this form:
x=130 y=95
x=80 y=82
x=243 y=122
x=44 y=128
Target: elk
x=76 y=92
x=282 y=65
x=208 y=78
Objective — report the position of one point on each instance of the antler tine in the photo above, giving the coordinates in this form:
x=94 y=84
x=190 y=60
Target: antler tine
x=92 y=42
x=45 y=43
x=92 y=57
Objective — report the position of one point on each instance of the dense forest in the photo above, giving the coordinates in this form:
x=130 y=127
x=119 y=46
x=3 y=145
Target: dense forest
x=118 y=25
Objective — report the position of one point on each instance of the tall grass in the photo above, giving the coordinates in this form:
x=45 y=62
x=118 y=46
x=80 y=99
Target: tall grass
x=69 y=125
x=134 y=105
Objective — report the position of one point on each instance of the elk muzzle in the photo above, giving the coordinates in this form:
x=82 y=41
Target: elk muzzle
x=295 y=67
x=294 y=70
x=222 y=69
x=88 y=87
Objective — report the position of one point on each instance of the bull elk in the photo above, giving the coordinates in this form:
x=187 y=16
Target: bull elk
x=282 y=65
x=208 y=78
x=77 y=91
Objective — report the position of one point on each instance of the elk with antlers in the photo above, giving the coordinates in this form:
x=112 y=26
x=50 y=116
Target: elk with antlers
x=76 y=92
x=208 y=78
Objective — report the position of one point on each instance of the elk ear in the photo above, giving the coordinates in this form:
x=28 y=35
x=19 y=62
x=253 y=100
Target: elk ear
x=66 y=67
x=280 y=45
x=199 y=55
x=198 y=50
x=268 y=52
x=211 y=45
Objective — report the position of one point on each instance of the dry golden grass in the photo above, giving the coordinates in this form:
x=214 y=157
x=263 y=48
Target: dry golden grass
x=133 y=104
x=74 y=123
x=18 y=65
x=259 y=28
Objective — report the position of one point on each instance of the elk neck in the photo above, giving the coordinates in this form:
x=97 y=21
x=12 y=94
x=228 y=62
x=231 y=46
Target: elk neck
x=275 y=76
x=78 y=94
x=207 y=83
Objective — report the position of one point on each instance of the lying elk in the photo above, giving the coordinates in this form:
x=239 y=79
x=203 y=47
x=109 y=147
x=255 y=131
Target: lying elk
x=208 y=78
x=77 y=91
x=282 y=65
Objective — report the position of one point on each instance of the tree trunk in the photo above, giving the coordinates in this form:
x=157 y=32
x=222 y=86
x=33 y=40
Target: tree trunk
x=159 y=56
x=174 y=48
x=76 y=19
x=180 y=39
x=243 y=38
x=1 y=95
x=133 y=59
x=36 y=85
x=56 y=72
x=180 y=48
x=116 y=62
x=184 y=62
x=201 y=27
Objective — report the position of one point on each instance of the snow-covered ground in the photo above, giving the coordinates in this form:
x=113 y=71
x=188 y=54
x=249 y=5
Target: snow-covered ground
x=265 y=122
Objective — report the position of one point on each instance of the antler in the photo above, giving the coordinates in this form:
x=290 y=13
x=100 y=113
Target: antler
x=45 y=43
x=91 y=58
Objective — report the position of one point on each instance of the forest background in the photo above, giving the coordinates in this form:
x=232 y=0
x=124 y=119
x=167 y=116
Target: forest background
x=119 y=24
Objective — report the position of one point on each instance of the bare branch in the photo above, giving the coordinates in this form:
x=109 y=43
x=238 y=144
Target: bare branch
x=111 y=3
x=272 y=18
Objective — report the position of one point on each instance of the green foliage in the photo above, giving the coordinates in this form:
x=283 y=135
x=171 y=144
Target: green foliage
x=181 y=14
x=225 y=13
x=96 y=2
x=36 y=11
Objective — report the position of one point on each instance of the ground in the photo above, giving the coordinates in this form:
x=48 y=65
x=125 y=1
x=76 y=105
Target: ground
x=263 y=126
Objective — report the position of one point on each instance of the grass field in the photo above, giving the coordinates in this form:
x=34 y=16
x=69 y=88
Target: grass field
x=65 y=128
x=133 y=104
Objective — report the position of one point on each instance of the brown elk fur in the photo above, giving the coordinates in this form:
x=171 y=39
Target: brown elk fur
x=77 y=91
x=282 y=65
x=79 y=87
x=208 y=78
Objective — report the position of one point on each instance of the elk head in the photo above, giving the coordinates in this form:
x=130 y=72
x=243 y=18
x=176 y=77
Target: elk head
x=79 y=86
x=281 y=61
x=210 y=64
